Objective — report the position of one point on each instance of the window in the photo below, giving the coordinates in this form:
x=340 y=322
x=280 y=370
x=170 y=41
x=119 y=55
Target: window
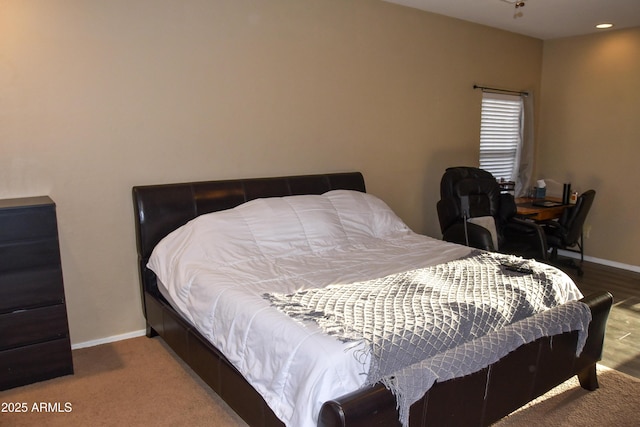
x=501 y=134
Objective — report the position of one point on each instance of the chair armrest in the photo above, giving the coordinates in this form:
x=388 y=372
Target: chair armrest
x=530 y=231
x=526 y=223
x=553 y=227
x=479 y=237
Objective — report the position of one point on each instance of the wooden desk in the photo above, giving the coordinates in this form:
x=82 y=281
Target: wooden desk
x=538 y=213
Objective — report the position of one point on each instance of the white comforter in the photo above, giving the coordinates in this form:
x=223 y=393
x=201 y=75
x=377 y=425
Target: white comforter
x=216 y=268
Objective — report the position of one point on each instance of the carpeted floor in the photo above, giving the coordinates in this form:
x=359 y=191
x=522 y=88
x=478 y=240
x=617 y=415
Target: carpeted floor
x=615 y=403
x=139 y=382
x=135 y=382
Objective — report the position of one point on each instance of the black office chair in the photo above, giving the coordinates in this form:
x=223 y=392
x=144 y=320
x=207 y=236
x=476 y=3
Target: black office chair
x=567 y=232
x=474 y=194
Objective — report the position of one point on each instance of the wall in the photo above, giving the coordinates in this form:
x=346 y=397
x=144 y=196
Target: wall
x=589 y=133
x=99 y=96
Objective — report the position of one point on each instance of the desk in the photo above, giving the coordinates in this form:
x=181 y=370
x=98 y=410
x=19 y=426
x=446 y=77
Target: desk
x=538 y=213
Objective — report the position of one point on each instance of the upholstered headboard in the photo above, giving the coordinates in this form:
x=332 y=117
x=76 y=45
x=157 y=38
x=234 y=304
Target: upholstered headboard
x=160 y=209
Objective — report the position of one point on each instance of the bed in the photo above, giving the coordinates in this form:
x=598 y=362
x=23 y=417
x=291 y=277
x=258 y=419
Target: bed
x=476 y=398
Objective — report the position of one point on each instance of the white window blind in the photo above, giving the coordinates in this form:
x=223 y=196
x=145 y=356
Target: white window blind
x=501 y=134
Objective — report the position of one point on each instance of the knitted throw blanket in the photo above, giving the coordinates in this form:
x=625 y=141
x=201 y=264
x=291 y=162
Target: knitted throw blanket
x=440 y=322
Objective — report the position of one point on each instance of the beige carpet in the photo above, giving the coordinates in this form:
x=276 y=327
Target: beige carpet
x=615 y=403
x=135 y=382
x=139 y=382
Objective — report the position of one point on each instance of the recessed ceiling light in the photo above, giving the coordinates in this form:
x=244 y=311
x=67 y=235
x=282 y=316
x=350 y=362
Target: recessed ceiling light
x=604 y=26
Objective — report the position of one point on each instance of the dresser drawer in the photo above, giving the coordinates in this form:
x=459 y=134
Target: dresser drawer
x=38 y=362
x=25 y=224
x=30 y=288
x=32 y=326
x=34 y=336
x=29 y=254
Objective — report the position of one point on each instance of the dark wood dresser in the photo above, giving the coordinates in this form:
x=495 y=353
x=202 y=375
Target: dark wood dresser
x=34 y=333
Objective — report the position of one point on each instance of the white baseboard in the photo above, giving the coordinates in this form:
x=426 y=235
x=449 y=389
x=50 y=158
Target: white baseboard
x=107 y=340
x=615 y=264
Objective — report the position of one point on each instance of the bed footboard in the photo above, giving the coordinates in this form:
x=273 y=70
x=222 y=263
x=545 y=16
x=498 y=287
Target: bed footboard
x=490 y=394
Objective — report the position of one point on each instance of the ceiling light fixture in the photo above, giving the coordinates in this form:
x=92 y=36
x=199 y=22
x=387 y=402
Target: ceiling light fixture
x=519 y=4
x=604 y=26
x=516 y=3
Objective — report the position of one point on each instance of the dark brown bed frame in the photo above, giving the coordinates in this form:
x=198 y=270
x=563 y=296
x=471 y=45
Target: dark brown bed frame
x=477 y=399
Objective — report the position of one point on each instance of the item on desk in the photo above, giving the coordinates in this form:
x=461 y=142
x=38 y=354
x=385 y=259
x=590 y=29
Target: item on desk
x=541 y=189
x=574 y=198
x=545 y=203
x=566 y=193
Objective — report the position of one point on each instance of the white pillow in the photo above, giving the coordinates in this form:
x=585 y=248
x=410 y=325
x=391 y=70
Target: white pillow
x=282 y=224
x=275 y=227
x=364 y=215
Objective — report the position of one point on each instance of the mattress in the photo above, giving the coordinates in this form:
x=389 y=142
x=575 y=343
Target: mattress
x=216 y=269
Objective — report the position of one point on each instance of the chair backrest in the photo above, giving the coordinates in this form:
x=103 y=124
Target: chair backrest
x=574 y=220
x=479 y=185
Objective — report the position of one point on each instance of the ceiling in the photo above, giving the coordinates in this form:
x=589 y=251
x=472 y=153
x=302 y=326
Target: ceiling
x=542 y=19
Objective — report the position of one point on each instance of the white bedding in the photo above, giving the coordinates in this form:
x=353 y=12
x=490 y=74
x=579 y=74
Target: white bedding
x=216 y=268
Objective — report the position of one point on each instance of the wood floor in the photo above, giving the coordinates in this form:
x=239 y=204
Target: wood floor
x=622 y=337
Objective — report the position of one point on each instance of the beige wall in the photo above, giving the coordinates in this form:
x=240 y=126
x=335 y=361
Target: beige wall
x=589 y=133
x=97 y=96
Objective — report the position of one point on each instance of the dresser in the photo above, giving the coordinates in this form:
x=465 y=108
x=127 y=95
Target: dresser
x=34 y=333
